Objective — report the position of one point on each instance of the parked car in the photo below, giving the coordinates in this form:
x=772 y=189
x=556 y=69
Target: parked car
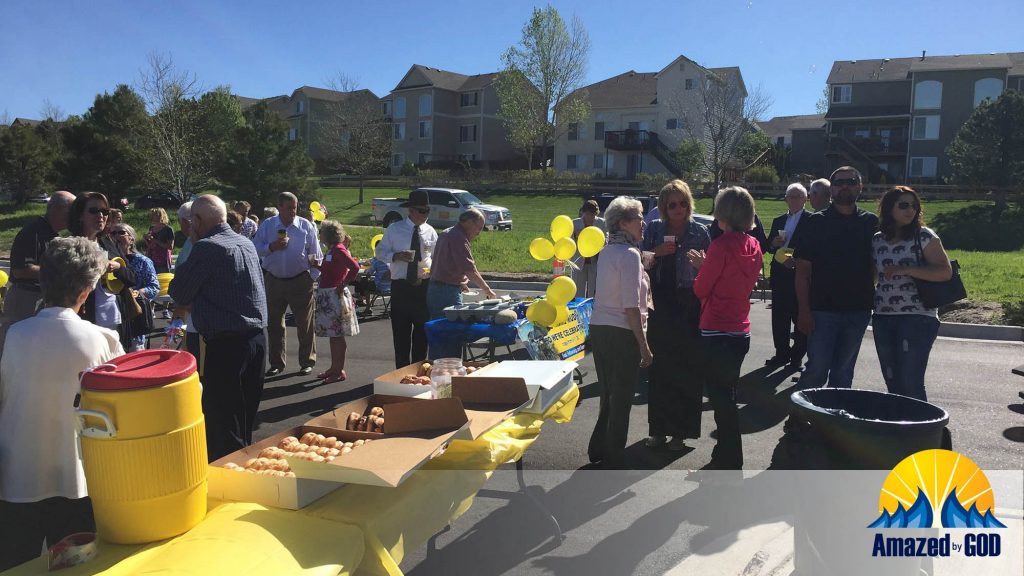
x=446 y=204
x=164 y=200
x=41 y=198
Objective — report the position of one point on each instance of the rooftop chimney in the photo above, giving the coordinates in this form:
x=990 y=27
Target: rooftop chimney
x=922 y=54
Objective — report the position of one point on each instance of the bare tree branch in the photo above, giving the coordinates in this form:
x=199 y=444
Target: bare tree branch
x=51 y=111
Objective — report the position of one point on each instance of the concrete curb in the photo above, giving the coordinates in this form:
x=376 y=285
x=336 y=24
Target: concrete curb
x=947 y=329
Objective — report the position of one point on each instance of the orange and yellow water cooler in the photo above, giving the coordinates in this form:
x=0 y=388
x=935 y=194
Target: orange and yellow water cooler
x=144 y=446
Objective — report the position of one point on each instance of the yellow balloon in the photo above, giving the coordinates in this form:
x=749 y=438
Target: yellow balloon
x=374 y=240
x=531 y=312
x=561 y=290
x=314 y=207
x=541 y=249
x=3 y=278
x=561 y=227
x=544 y=313
x=565 y=249
x=319 y=216
x=561 y=315
x=591 y=241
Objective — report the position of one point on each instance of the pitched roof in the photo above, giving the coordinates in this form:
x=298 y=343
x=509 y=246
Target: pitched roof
x=478 y=81
x=889 y=69
x=26 y=122
x=245 y=102
x=730 y=71
x=329 y=95
x=784 y=124
x=446 y=80
x=627 y=89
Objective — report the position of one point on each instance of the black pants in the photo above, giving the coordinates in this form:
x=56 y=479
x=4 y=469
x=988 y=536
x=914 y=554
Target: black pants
x=24 y=526
x=408 y=315
x=724 y=358
x=784 y=312
x=616 y=360
x=232 y=386
x=676 y=383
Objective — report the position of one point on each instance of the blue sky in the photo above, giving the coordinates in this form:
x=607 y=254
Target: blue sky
x=68 y=52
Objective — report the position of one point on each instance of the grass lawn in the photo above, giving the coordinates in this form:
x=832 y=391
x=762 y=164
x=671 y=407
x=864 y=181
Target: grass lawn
x=989 y=276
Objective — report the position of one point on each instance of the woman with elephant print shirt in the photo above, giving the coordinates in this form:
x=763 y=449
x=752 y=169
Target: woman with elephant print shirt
x=904 y=330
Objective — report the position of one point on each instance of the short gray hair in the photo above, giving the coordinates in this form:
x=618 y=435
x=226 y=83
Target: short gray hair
x=471 y=214
x=821 y=185
x=620 y=210
x=131 y=233
x=211 y=208
x=70 y=266
x=287 y=197
x=332 y=232
x=59 y=199
x=798 y=187
x=185 y=211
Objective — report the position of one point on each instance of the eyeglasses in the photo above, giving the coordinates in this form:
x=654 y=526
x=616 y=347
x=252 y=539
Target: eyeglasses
x=905 y=205
x=845 y=182
x=421 y=210
x=96 y=210
x=119 y=232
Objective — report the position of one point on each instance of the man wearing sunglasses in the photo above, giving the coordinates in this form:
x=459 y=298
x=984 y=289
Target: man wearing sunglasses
x=834 y=283
x=407 y=247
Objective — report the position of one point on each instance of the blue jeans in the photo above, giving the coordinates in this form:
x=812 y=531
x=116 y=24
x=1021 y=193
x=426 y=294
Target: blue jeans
x=440 y=296
x=903 y=343
x=833 y=347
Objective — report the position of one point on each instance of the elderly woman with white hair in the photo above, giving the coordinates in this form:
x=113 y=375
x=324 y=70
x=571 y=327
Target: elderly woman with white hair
x=42 y=483
x=617 y=328
x=146 y=283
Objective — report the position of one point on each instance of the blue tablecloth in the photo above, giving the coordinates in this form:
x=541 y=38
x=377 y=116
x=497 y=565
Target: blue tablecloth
x=446 y=338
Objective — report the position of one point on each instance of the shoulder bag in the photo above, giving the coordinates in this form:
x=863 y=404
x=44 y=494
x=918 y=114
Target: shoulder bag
x=936 y=294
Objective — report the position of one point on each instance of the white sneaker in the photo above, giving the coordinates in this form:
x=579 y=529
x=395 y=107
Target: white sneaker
x=167 y=314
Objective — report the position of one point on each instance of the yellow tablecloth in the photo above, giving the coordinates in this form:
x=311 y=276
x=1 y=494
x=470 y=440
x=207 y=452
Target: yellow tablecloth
x=234 y=538
x=367 y=527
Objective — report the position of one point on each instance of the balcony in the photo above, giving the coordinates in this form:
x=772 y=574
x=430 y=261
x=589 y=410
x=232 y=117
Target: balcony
x=630 y=139
x=871 y=145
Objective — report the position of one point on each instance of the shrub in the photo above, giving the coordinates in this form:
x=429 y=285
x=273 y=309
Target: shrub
x=1013 y=312
x=761 y=175
x=973 y=228
x=408 y=169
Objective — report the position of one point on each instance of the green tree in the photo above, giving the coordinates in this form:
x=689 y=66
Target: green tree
x=107 y=150
x=261 y=162
x=690 y=156
x=751 y=146
x=25 y=162
x=538 y=89
x=354 y=135
x=989 y=148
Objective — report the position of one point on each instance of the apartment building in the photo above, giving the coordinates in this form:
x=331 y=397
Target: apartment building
x=804 y=136
x=442 y=118
x=893 y=118
x=638 y=119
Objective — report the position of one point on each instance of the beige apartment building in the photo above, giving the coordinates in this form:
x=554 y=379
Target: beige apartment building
x=638 y=119
x=443 y=118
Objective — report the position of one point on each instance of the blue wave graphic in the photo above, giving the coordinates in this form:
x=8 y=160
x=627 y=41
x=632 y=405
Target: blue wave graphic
x=954 y=516
x=919 y=515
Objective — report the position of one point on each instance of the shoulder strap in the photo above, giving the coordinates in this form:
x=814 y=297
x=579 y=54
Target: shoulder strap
x=917 y=243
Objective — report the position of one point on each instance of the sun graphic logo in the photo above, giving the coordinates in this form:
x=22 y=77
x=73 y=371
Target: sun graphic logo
x=936 y=488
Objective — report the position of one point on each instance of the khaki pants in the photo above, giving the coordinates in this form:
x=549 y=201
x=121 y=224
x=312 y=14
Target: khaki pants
x=20 y=303
x=297 y=294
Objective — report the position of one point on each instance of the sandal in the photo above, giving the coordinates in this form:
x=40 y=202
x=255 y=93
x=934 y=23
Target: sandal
x=332 y=379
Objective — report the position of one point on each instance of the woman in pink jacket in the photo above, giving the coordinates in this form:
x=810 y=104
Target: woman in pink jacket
x=726 y=276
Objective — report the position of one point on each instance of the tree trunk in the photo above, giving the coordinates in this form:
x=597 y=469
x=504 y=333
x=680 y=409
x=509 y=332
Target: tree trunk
x=360 y=188
x=999 y=197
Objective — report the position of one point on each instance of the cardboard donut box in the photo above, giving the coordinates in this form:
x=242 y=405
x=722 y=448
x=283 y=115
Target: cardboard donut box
x=390 y=383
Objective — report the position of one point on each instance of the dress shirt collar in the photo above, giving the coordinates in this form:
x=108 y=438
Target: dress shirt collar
x=218 y=229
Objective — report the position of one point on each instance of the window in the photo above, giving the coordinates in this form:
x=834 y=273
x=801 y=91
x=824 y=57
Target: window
x=469 y=99
x=922 y=167
x=396 y=160
x=467 y=133
x=425 y=126
x=987 y=88
x=842 y=94
x=598 y=161
x=689 y=83
x=598 y=130
x=467 y=157
x=299 y=106
x=780 y=141
x=399 y=131
x=609 y=162
x=422 y=158
x=682 y=66
x=293 y=134
x=671 y=124
x=385 y=108
x=574 y=131
x=926 y=128
x=425 y=105
x=928 y=95
x=400 y=107
x=570 y=162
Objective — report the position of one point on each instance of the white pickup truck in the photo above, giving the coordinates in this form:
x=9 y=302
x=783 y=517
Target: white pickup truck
x=445 y=206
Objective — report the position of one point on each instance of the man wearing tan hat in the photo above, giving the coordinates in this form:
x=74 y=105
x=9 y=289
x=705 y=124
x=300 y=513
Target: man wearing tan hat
x=407 y=247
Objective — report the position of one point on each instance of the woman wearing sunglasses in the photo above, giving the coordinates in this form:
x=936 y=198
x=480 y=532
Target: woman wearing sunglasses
x=904 y=330
x=146 y=283
x=87 y=218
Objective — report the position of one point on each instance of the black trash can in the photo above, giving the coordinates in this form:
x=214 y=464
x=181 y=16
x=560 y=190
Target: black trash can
x=868 y=430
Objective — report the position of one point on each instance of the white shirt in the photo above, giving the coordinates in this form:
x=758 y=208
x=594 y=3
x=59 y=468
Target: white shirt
x=294 y=259
x=398 y=237
x=43 y=355
x=791 y=221
x=620 y=285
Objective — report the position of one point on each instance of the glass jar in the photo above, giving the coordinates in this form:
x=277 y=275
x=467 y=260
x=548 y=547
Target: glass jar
x=441 y=376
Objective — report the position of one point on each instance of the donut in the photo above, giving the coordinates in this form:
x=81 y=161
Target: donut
x=376 y=411
x=356 y=443
x=346 y=450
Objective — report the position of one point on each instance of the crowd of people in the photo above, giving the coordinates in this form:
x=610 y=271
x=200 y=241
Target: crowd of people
x=671 y=297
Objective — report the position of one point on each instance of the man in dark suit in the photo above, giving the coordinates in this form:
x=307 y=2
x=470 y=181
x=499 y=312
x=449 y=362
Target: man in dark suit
x=784 y=306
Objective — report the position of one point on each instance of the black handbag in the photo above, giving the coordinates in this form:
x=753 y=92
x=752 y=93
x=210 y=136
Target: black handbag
x=936 y=294
x=143 y=323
